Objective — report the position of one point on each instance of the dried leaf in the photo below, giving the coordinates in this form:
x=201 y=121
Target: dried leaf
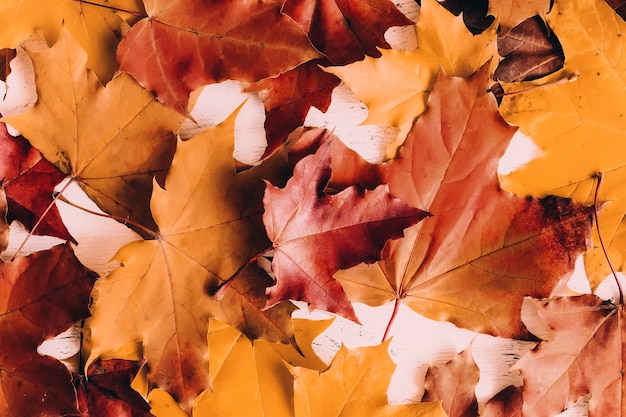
x=480 y=240
x=41 y=295
x=184 y=44
x=112 y=139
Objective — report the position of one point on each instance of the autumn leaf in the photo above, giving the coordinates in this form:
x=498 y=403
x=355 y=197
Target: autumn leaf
x=511 y=13
x=112 y=140
x=530 y=51
x=560 y=371
x=242 y=369
x=98 y=29
x=42 y=295
x=209 y=218
x=453 y=383
x=354 y=384
x=480 y=240
x=395 y=86
x=28 y=181
x=106 y=392
x=578 y=124
x=288 y=98
x=346 y=31
x=315 y=234
x=183 y=45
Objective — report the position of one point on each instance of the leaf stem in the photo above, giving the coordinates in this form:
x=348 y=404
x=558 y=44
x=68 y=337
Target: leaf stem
x=599 y=176
x=394 y=314
x=123 y=220
x=117 y=9
x=43 y=215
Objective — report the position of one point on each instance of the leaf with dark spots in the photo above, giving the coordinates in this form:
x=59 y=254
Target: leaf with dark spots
x=28 y=181
x=41 y=295
x=346 y=30
x=530 y=51
x=315 y=234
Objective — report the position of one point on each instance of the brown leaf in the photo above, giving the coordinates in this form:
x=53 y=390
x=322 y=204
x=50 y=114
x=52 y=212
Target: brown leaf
x=346 y=30
x=315 y=234
x=288 y=98
x=530 y=50
x=585 y=356
x=454 y=383
x=28 y=181
x=480 y=240
x=185 y=44
x=6 y=55
x=41 y=295
x=106 y=392
x=112 y=140
x=507 y=403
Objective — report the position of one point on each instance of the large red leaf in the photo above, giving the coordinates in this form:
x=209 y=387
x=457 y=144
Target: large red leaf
x=483 y=249
x=586 y=355
x=346 y=30
x=40 y=296
x=314 y=234
x=106 y=392
x=29 y=181
x=185 y=44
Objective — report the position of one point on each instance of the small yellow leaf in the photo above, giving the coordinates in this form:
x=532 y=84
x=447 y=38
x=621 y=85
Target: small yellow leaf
x=395 y=86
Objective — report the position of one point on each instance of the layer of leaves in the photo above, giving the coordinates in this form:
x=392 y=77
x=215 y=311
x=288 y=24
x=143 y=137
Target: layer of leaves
x=579 y=124
x=112 y=140
x=480 y=240
x=185 y=45
x=41 y=295
x=315 y=234
x=560 y=371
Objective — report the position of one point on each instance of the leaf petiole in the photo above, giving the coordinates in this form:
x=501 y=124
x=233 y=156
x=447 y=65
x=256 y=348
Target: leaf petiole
x=117 y=9
x=599 y=176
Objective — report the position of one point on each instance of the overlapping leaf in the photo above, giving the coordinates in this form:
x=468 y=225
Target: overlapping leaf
x=579 y=124
x=98 y=29
x=480 y=240
x=314 y=234
x=395 y=87
x=560 y=371
x=28 y=181
x=210 y=226
x=41 y=295
x=355 y=384
x=185 y=44
x=112 y=139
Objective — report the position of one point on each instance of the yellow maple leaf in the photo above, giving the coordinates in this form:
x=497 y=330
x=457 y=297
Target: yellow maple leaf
x=395 y=86
x=579 y=125
x=98 y=29
x=112 y=140
x=355 y=384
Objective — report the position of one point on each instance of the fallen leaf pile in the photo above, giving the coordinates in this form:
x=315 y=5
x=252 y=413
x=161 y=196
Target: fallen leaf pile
x=196 y=318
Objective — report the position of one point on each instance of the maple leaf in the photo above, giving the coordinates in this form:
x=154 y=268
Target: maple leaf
x=97 y=29
x=42 y=295
x=106 y=392
x=183 y=45
x=559 y=371
x=354 y=384
x=240 y=369
x=454 y=383
x=288 y=98
x=395 y=86
x=28 y=181
x=209 y=218
x=315 y=234
x=346 y=30
x=578 y=125
x=530 y=51
x=480 y=240
x=112 y=140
